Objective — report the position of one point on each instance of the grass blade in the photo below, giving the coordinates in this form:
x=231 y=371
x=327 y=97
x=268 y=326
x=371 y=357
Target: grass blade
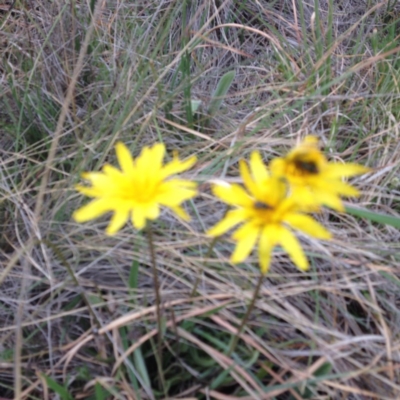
x=374 y=216
x=220 y=92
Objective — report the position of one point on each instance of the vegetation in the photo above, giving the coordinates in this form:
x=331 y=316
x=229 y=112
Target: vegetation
x=81 y=316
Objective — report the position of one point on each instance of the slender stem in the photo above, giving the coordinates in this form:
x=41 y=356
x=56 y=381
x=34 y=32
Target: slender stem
x=208 y=255
x=250 y=308
x=158 y=303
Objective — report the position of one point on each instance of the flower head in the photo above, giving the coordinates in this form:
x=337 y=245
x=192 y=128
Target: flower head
x=138 y=189
x=312 y=178
x=265 y=212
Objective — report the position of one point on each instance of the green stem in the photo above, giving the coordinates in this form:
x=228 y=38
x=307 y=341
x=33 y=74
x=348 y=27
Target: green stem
x=158 y=354
x=250 y=308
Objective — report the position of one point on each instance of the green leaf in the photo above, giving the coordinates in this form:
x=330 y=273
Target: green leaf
x=56 y=387
x=374 y=216
x=100 y=392
x=222 y=379
x=133 y=274
x=390 y=278
x=195 y=105
x=220 y=92
x=324 y=369
x=140 y=365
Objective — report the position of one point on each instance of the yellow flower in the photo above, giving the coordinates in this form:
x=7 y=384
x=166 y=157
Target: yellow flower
x=312 y=178
x=265 y=213
x=138 y=190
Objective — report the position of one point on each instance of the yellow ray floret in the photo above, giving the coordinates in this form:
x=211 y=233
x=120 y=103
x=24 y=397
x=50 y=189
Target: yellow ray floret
x=137 y=190
x=265 y=214
x=313 y=178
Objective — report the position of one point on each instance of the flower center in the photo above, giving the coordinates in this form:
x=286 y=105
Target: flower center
x=263 y=212
x=261 y=206
x=301 y=167
x=139 y=190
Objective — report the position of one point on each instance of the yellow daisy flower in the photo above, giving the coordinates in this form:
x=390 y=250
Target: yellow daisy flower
x=265 y=213
x=138 y=189
x=313 y=179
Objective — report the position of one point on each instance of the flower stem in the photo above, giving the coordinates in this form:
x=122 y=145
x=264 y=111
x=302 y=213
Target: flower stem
x=250 y=308
x=159 y=353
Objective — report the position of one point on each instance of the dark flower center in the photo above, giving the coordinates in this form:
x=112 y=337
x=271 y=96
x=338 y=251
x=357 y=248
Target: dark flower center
x=260 y=205
x=308 y=167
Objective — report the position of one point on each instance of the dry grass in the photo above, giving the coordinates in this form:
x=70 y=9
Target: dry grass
x=77 y=316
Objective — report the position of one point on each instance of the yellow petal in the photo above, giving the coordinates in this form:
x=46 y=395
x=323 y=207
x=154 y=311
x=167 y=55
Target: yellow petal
x=124 y=158
x=138 y=218
x=287 y=205
x=118 y=220
x=344 y=189
x=89 y=191
x=176 y=166
x=338 y=170
x=150 y=160
x=175 y=197
x=308 y=225
x=258 y=169
x=98 y=179
x=309 y=199
x=245 y=244
x=247 y=178
x=330 y=200
x=265 y=247
x=180 y=212
x=182 y=183
x=94 y=209
x=174 y=192
x=156 y=156
x=310 y=140
x=273 y=191
x=277 y=166
x=233 y=194
x=112 y=172
x=292 y=246
x=232 y=218
x=151 y=210
x=246 y=229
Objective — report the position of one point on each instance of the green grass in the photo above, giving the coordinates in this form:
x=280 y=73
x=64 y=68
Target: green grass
x=216 y=79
